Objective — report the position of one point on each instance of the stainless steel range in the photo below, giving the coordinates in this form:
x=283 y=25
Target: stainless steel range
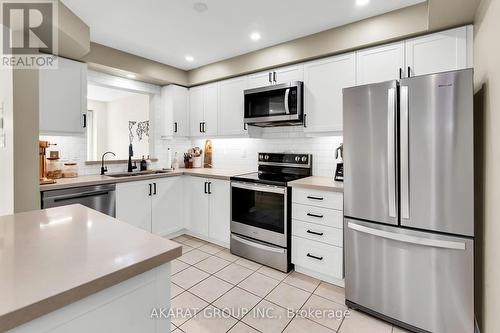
x=260 y=209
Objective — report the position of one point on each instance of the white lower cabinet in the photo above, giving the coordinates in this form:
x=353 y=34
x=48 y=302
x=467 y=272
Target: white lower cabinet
x=317 y=234
x=153 y=205
x=208 y=208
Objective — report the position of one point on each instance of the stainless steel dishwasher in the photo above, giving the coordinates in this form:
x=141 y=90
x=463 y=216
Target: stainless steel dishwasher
x=99 y=197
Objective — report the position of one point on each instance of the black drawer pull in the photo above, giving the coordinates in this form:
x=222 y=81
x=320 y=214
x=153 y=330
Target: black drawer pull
x=315 y=233
x=314 y=198
x=314 y=257
x=314 y=215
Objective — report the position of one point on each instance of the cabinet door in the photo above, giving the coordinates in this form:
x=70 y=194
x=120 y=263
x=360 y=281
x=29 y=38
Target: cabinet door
x=219 y=210
x=379 y=64
x=260 y=79
x=133 y=204
x=439 y=52
x=181 y=111
x=232 y=103
x=323 y=83
x=196 y=201
x=211 y=109
x=167 y=210
x=195 y=110
x=288 y=74
x=63 y=98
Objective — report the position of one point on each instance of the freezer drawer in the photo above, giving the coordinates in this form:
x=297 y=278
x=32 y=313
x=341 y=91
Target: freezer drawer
x=421 y=279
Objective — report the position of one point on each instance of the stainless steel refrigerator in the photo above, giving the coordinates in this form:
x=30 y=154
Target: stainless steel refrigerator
x=409 y=201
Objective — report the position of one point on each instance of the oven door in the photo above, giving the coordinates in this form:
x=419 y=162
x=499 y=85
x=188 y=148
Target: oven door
x=259 y=211
x=280 y=103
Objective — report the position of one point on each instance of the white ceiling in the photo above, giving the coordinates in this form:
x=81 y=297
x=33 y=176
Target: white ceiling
x=105 y=94
x=168 y=30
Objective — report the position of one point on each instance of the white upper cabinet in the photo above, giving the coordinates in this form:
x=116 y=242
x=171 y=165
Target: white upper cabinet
x=63 y=98
x=276 y=76
x=231 y=106
x=204 y=110
x=440 y=52
x=175 y=102
x=323 y=83
x=379 y=64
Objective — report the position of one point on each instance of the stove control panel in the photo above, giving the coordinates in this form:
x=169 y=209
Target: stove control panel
x=276 y=158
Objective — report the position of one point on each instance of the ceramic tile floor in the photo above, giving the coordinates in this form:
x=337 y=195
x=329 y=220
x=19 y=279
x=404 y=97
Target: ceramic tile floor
x=214 y=292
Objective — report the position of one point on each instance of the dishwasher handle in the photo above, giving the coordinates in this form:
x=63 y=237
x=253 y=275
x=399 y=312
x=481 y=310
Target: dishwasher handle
x=64 y=197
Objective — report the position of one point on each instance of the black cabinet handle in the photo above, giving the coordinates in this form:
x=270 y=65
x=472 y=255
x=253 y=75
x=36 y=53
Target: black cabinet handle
x=409 y=71
x=274 y=77
x=400 y=73
x=84 y=121
x=206 y=191
x=154 y=186
x=314 y=198
x=175 y=127
x=201 y=128
x=305 y=120
x=270 y=77
x=314 y=257
x=315 y=233
x=150 y=189
x=209 y=188
x=314 y=215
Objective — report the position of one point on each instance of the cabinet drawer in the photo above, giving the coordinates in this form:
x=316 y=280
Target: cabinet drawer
x=317 y=215
x=315 y=232
x=322 y=258
x=332 y=200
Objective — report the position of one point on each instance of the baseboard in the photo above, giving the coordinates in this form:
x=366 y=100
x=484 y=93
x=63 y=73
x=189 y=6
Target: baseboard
x=322 y=277
x=194 y=234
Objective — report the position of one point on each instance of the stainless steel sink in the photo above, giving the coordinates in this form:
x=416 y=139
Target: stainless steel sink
x=137 y=173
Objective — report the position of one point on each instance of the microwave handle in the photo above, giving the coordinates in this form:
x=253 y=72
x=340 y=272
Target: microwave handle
x=287 y=93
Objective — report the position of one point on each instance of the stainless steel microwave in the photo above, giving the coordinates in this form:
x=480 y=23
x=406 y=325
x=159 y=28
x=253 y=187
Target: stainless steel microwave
x=276 y=105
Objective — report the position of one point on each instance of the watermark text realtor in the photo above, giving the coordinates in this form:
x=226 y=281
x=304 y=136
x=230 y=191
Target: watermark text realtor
x=29 y=33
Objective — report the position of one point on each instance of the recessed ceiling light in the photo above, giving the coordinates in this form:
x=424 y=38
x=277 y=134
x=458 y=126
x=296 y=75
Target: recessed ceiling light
x=131 y=76
x=189 y=58
x=361 y=3
x=200 y=7
x=255 y=36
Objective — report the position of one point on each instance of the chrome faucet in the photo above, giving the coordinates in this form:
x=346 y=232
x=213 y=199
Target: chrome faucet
x=104 y=169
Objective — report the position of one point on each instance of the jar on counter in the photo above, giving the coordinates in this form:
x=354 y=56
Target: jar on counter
x=54 y=168
x=70 y=170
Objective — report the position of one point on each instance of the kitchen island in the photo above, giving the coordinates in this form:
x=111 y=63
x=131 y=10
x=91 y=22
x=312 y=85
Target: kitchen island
x=73 y=269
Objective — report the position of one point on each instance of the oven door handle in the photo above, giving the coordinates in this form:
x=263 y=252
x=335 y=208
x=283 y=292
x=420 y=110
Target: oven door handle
x=258 y=244
x=260 y=188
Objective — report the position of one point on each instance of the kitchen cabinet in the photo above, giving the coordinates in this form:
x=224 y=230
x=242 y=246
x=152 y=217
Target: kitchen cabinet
x=439 y=52
x=276 y=76
x=208 y=208
x=204 y=110
x=63 y=98
x=232 y=106
x=323 y=83
x=153 y=205
x=317 y=234
x=175 y=103
x=380 y=63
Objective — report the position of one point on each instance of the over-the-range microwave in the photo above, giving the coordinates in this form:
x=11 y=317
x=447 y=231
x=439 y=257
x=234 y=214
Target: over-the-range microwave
x=276 y=105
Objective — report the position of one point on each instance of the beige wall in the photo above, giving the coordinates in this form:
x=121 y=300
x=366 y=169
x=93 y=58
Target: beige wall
x=73 y=34
x=487 y=84
x=7 y=153
x=25 y=108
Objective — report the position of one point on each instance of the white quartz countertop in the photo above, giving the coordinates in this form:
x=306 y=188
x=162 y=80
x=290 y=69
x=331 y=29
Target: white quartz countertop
x=53 y=257
x=318 y=183
x=89 y=180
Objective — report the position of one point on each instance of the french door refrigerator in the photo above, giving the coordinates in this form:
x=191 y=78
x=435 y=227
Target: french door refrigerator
x=409 y=201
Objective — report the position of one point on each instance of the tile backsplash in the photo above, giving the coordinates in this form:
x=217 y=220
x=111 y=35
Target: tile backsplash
x=228 y=153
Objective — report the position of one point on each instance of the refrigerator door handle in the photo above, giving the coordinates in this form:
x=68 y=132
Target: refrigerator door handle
x=391 y=150
x=444 y=244
x=404 y=154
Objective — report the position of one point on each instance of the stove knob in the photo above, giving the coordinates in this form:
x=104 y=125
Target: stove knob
x=261 y=157
x=297 y=159
x=304 y=159
x=266 y=157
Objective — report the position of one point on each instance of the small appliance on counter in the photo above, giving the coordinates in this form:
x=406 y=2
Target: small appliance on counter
x=42 y=150
x=339 y=170
x=261 y=209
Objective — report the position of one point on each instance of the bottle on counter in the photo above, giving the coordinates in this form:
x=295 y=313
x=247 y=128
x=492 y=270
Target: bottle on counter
x=175 y=162
x=144 y=164
x=169 y=159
